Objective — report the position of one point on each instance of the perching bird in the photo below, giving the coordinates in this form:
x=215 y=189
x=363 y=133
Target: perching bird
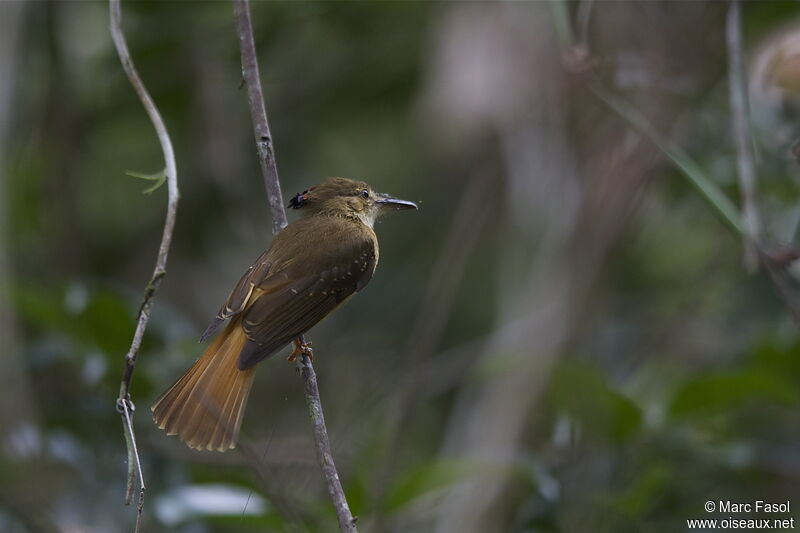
x=312 y=266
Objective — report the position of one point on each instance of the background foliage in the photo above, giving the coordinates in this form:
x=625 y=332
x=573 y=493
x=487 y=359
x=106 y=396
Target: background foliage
x=561 y=339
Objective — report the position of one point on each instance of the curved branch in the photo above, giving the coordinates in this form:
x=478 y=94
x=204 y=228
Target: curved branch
x=124 y=404
x=263 y=137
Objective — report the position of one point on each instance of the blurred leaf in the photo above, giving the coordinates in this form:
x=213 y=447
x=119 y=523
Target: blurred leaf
x=429 y=477
x=732 y=389
x=645 y=493
x=105 y=322
x=778 y=357
x=779 y=188
x=356 y=492
x=42 y=307
x=583 y=392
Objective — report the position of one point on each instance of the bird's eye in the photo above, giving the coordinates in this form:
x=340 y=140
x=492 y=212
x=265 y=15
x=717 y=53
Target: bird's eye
x=365 y=193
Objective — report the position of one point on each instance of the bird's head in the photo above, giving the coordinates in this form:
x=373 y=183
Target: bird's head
x=348 y=198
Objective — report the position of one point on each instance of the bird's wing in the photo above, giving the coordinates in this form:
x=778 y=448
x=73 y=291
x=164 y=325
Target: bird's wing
x=287 y=305
x=239 y=296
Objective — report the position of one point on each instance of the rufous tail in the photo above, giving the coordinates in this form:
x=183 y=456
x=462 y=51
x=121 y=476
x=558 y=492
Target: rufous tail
x=206 y=405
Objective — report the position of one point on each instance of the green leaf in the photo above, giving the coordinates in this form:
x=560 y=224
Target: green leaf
x=159 y=178
x=357 y=495
x=106 y=322
x=583 y=392
x=778 y=357
x=43 y=307
x=645 y=493
x=724 y=391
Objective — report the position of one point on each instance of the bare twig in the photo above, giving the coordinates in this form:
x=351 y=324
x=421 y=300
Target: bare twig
x=263 y=137
x=347 y=522
x=252 y=78
x=130 y=439
x=744 y=146
x=124 y=404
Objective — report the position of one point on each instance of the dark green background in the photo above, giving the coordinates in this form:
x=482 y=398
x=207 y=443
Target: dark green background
x=562 y=338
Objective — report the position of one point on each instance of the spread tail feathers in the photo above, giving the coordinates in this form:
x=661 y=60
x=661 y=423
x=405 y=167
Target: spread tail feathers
x=206 y=405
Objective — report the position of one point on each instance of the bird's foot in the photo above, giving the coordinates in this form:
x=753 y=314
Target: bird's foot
x=301 y=349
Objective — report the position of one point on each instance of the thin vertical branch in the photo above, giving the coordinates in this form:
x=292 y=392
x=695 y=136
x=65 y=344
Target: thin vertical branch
x=258 y=111
x=263 y=138
x=124 y=404
x=130 y=439
x=347 y=523
x=744 y=142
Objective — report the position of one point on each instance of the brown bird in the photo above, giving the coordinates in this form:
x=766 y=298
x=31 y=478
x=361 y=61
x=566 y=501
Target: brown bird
x=312 y=267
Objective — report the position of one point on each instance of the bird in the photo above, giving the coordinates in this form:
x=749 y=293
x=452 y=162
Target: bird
x=311 y=268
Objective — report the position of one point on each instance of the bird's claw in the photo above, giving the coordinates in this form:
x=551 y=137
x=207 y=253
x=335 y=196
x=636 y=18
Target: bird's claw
x=301 y=349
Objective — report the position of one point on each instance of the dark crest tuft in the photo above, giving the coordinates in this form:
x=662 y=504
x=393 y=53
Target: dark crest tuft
x=299 y=200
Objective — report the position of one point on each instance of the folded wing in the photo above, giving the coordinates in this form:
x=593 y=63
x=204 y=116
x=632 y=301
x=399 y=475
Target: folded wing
x=286 y=305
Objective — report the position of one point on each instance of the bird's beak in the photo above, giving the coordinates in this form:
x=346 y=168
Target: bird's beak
x=395 y=203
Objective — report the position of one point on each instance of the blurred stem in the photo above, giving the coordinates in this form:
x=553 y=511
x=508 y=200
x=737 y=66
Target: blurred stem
x=715 y=197
x=783 y=287
x=745 y=225
x=269 y=170
x=21 y=501
x=560 y=14
x=434 y=311
x=691 y=170
x=124 y=404
x=14 y=380
x=744 y=142
x=584 y=16
x=709 y=190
